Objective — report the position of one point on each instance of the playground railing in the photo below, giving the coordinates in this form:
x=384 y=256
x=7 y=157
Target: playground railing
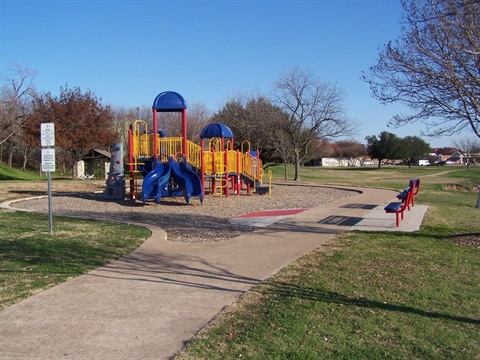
x=194 y=152
x=232 y=161
x=169 y=146
x=250 y=166
x=213 y=161
x=208 y=156
x=140 y=145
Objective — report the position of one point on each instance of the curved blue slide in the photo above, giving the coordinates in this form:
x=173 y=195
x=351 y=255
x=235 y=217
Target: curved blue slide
x=187 y=179
x=154 y=181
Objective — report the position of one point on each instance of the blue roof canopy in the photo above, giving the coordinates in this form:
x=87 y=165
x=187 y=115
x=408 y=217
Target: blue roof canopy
x=169 y=101
x=216 y=130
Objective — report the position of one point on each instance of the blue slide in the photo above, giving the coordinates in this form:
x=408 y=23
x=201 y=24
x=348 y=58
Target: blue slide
x=187 y=179
x=154 y=181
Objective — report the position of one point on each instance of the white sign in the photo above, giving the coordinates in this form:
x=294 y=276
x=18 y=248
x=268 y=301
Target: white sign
x=47 y=134
x=48 y=160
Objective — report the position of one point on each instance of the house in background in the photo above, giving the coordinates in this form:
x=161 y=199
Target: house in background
x=448 y=155
x=94 y=164
x=334 y=162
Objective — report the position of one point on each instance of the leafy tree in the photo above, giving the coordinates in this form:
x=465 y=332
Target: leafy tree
x=384 y=146
x=415 y=148
x=81 y=122
x=315 y=111
x=433 y=67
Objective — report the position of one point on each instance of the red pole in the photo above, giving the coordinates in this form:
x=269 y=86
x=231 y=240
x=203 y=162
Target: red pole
x=184 y=132
x=131 y=165
x=225 y=156
x=258 y=166
x=202 y=166
x=155 y=143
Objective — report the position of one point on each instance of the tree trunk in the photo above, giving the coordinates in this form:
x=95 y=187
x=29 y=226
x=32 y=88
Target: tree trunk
x=10 y=157
x=297 y=165
x=74 y=171
x=25 y=158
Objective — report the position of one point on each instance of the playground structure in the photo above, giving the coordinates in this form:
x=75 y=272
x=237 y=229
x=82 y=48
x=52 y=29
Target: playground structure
x=115 y=187
x=176 y=166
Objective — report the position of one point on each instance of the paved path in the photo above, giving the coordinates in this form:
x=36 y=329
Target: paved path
x=148 y=304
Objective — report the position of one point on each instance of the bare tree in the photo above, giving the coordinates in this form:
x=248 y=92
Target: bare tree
x=434 y=67
x=282 y=150
x=126 y=116
x=198 y=117
x=15 y=99
x=315 y=111
x=470 y=149
x=255 y=119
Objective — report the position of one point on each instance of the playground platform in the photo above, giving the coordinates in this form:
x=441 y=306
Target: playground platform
x=149 y=304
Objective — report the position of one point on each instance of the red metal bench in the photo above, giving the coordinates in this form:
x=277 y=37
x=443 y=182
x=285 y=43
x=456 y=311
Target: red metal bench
x=398 y=208
x=414 y=184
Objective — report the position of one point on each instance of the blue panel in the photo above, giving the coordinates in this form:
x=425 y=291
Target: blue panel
x=155 y=181
x=216 y=130
x=393 y=207
x=169 y=101
x=187 y=179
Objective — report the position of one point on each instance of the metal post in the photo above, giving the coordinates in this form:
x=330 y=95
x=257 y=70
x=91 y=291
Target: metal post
x=47 y=141
x=478 y=200
x=50 y=217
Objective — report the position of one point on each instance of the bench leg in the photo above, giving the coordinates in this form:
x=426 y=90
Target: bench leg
x=397 y=218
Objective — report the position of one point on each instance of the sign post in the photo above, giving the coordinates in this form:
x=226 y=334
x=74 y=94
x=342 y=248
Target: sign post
x=47 y=140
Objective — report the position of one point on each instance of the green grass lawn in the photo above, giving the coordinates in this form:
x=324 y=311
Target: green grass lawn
x=8 y=173
x=369 y=295
x=33 y=260
x=361 y=296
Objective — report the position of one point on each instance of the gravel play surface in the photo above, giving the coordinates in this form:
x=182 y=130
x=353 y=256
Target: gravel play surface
x=194 y=222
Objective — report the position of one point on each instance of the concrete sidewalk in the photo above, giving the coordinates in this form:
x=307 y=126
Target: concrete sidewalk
x=148 y=304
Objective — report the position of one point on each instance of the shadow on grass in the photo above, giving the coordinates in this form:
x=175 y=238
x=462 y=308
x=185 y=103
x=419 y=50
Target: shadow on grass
x=307 y=293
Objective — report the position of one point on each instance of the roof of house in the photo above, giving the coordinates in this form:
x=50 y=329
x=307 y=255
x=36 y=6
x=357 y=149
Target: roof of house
x=97 y=154
x=445 y=151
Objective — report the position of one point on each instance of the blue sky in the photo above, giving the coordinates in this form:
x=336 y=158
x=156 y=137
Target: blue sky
x=207 y=50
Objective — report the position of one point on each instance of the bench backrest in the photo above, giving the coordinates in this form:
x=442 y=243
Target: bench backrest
x=414 y=184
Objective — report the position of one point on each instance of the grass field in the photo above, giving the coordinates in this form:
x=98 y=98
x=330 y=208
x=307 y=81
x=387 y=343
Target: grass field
x=369 y=295
x=364 y=295
x=32 y=260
